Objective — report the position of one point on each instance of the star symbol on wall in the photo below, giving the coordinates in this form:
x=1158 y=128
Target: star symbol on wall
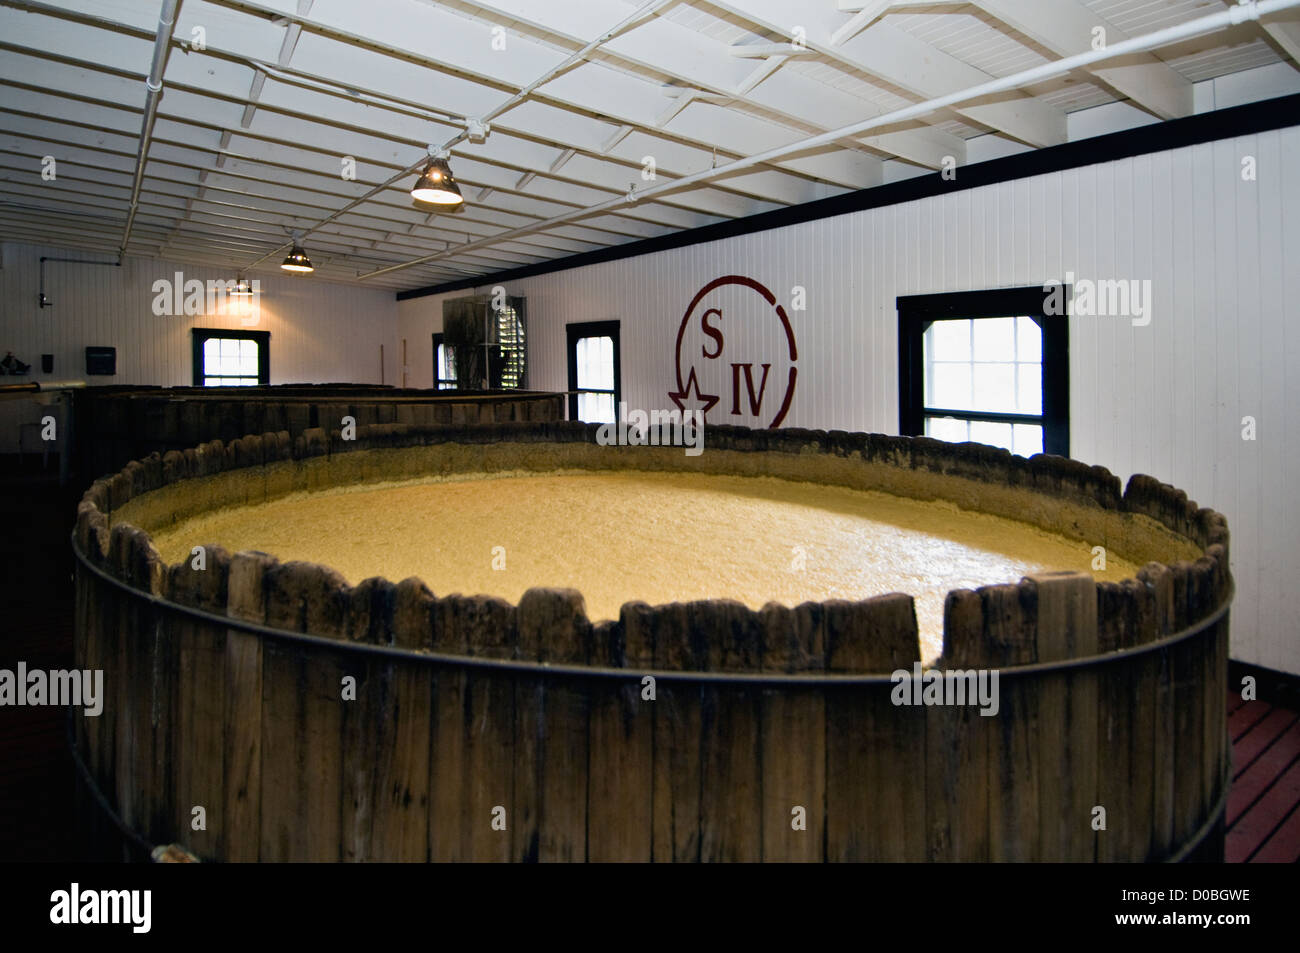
x=683 y=397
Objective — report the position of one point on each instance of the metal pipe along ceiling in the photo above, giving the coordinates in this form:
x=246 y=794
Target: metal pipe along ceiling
x=1247 y=10
x=154 y=85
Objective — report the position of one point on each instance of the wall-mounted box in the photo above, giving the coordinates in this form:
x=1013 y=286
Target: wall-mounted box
x=101 y=360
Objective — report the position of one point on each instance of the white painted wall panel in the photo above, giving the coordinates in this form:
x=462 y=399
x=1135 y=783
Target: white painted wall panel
x=320 y=332
x=1166 y=399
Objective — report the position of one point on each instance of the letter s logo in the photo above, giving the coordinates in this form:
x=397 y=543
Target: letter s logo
x=711 y=332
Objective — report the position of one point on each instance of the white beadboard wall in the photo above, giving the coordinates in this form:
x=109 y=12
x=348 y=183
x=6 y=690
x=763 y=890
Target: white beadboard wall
x=1167 y=399
x=320 y=332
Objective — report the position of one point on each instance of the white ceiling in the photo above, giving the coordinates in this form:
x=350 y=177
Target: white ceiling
x=251 y=131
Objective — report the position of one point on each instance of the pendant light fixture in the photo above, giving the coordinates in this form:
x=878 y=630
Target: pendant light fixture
x=243 y=288
x=297 y=260
x=437 y=185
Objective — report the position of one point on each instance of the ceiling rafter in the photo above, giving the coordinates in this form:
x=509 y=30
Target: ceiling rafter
x=690 y=63
x=94 y=186
x=1065 y=27
x=632 y=124
x=1198 y=26
x=313 y=118
x=887 y=54
x=404 y=222
x=257 y=116
x=262 y=161
x=645 y=213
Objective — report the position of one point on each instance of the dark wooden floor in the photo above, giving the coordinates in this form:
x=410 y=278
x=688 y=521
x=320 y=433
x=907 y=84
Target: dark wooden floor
x=36 y=773
x=1264 y=801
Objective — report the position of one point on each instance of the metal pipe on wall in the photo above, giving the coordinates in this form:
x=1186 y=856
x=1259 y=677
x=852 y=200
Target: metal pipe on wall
x=44 y=302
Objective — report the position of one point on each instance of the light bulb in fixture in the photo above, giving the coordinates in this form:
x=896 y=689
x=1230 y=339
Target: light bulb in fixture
x=297 y=261
x=437 y=185
x=243 y=288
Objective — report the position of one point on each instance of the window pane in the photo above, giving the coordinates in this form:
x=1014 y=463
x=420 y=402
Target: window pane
x=997 y=435
x=948 y=341
x=995 y=387
x=1027 y=440
x=949 y=386
x=510 y=336
x=1031 y=389
x=995 y=339
x=231 y=362
x=947 y=428
x=596 y=408
x=1029 y=340
x=1002 y=375
x=446 y=367
x=595 y=363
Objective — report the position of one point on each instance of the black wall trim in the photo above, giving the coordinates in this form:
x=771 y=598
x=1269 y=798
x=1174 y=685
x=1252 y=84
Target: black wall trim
x=1171 y=134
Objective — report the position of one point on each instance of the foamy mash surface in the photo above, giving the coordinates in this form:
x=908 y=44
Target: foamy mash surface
x=650 y=536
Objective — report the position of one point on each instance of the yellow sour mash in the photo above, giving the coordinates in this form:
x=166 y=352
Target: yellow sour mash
x=656 y=537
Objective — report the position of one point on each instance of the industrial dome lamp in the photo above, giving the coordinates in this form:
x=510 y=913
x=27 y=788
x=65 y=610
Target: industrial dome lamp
x=297 y=260
x=437 y=185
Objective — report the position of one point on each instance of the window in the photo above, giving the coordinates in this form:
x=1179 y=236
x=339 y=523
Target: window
x=986 y=366
x=444 y=364
x=594 y=372
x=508 y=369
x=486 y=343
x=231 y=358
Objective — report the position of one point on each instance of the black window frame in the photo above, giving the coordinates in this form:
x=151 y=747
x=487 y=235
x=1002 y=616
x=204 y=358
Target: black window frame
x=438 y=379
x=917 y=312
x=592 y=329
x=203 y=335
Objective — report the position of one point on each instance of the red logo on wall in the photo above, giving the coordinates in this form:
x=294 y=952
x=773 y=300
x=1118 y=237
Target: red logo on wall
x=735 y=349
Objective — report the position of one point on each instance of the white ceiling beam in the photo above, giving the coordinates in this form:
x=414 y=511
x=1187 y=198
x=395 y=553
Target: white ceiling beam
x=95 y=183
x=764 y=189
x=291 y=33
x=1065 y=27
x=621 y=133
x=296 y=126
x=523 y=92
x=1284 y=28
x=1046 y=71
x=254 y=94
x=558 y=164
x=927 y=147
x=867 y=14
x=37 y=141
x=661 y=45
x=761 y=72
x=900 y=59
